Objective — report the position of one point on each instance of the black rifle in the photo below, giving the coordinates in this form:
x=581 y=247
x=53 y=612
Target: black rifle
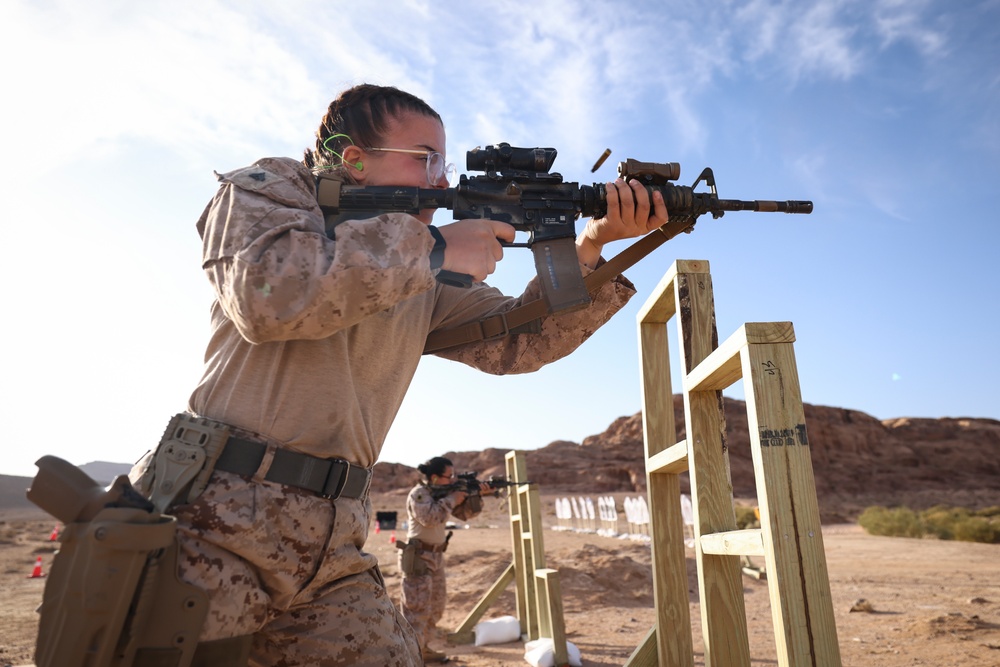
x=516 y=187
x=468 y=482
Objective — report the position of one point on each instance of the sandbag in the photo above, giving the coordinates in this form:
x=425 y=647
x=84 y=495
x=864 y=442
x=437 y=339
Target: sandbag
x=497 y=631
x=542 y=653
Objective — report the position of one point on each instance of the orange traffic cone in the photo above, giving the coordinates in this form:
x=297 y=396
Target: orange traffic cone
x=55 y=534
x=36 y=573
x=392 y=537
x=378 y=528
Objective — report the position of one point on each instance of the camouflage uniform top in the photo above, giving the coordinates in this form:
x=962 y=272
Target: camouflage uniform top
x=315 y=340
x=426 y=517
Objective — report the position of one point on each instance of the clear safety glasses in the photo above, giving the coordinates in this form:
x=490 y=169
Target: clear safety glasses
x=437 y=169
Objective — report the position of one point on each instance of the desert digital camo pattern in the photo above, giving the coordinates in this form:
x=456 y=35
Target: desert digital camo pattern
x=424 y=595
x=288 y=567
x=315 y=340
x=470 y=507
x=424 y=598
x=427 y=517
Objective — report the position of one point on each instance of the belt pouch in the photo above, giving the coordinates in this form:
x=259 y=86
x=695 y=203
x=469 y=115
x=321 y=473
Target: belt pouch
x=410 y=562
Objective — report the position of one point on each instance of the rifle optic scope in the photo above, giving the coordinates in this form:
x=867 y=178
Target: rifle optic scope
x=503 y=157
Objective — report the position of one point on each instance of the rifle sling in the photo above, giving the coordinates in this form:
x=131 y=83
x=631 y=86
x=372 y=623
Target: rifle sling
x=521 y=318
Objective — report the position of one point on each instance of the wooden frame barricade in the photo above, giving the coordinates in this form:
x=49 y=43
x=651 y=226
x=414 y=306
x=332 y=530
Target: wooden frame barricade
x=790 y=538
x=538 y=593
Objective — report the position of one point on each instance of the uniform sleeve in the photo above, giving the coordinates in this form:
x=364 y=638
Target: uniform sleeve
x=523 y=353
x=468 y=508
x=425 y=510
x=277 y=274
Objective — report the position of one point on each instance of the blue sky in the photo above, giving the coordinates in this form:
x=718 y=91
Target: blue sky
x=884 y=113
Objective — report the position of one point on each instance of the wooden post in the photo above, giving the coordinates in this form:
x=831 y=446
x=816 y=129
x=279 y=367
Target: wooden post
x=538 y=594
x=790 y=537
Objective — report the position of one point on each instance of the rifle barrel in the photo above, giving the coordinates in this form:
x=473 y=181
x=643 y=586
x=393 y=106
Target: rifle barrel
x=793 y=206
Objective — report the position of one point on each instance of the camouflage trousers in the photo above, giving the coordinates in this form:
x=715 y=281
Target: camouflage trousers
x=287 y=567
x=424 y=597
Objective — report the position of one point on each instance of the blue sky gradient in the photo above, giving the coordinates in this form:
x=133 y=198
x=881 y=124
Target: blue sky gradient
x=884 y=113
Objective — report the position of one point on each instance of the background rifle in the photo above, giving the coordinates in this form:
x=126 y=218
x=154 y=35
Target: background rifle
x=516 y=187
x=467 y=482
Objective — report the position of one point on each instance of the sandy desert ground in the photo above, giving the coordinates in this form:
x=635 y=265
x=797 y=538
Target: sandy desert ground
x=930 y=602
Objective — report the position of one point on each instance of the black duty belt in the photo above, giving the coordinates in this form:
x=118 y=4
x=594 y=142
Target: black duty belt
x=329 y=478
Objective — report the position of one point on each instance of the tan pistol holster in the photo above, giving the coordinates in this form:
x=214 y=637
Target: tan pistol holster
x=113 y=597
x=410 y=562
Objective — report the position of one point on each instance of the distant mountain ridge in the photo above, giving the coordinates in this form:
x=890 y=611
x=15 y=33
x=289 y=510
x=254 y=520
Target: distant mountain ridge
x=858 y=461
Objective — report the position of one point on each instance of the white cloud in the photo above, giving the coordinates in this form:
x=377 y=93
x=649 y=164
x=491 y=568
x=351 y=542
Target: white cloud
x=903 y=20
x=764 y=22
x=196 y=81
x=824 y=43
x=801 y=40
x=811 y=168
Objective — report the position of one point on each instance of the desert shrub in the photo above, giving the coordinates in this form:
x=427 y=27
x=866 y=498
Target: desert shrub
x=989 y=512
x=8 y=533
x=977 y=529
x=891 y=522
x=746 y=518
x=941 y=521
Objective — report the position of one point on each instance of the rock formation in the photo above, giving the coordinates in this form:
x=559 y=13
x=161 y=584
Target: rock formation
x=857 y=460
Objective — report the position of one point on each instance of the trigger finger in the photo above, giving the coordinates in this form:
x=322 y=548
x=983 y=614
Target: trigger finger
x=502 y=231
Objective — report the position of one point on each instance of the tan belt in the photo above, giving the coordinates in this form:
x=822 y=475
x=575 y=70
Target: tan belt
x=328 y=478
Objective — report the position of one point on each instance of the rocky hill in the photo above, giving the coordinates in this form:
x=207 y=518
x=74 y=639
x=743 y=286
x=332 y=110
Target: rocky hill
x=857 y=460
